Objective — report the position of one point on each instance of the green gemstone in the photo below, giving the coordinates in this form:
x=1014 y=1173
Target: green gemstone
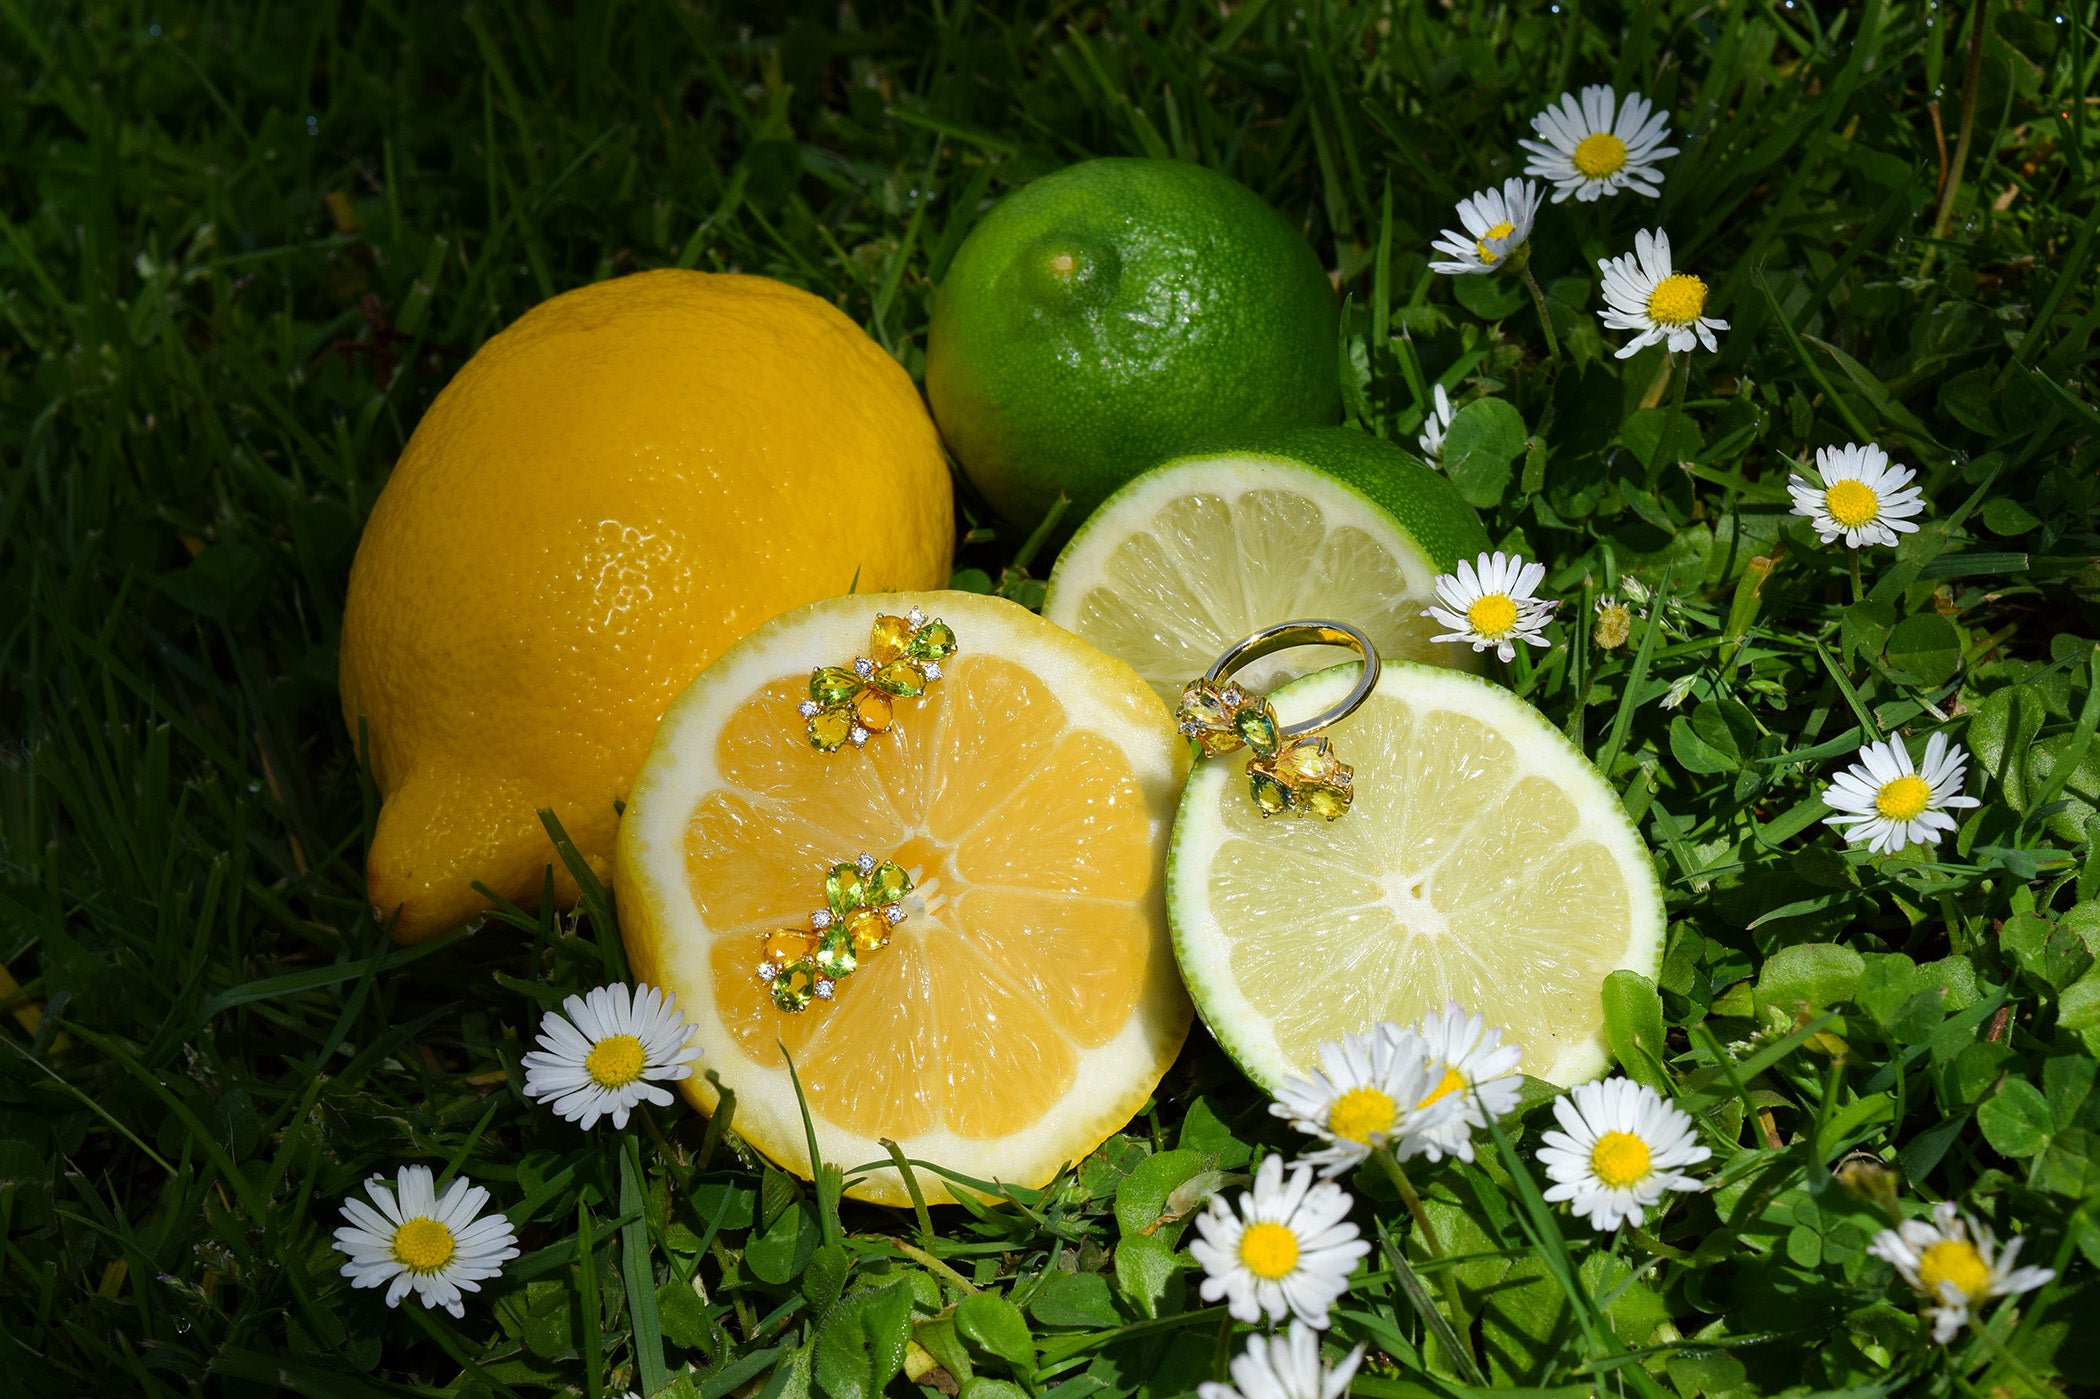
x=833 y=685
x=933 y=642
x=1327 y=803
x=1270 y=795
x=835 y=955
x=830 y=729
x=900 y=678
x=1258 y=728
x=889 y=884
x=845 y=889
x=795 y=985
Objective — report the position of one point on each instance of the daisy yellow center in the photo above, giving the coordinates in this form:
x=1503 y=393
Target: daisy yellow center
x=615 y=1061
x=422 y=1245
x=1500 y=230
x=1492 y=616
x=1620 y=1159
x=1450 y=1083
x=1955 y=1261
x=1851 y=503
x=1904 y=799
x=1677 y=299
x=1270 y=1251
x=1599 y=154
x=1360 y=1114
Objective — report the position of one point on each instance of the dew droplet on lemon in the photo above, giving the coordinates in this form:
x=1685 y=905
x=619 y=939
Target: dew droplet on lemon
x=1026 y=1005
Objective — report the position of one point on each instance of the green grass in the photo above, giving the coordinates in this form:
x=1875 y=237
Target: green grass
x=241 y=246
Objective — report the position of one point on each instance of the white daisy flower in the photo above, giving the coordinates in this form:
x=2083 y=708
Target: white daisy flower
x=1864 y=497
x=1435 y=426
x=1285 y=1367
x=1288 y=1252
x=1885 y=802
x=414 y=1239
x=1498 y=225
x=1589 y=150
x=1489 y=602
x=1473 y=1068
x=1642 y=293
x=1376 y=1089
x=1954 y=1263
x=1619 y=1151
x=600 y=1058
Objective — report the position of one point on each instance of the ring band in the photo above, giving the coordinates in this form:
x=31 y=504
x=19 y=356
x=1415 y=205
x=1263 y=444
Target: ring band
x=1307 y=632
x=1292 y=769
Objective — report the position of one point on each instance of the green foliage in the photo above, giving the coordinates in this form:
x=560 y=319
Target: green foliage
x=244 y=247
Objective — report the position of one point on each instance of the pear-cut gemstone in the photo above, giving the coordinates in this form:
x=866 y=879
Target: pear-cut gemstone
x=933 y=642
x=845 y=889
x=1327 y=803
x=871 y=710
x=1258 y=728
x=1307 y=760
x=832 y=685
x=889 y=638
x=900 y=678
x=890 y=883
x=1270 y=795
x=830 y=729
x=788 y=945
x=794 y=986
x=868 y=929
x=837 y=954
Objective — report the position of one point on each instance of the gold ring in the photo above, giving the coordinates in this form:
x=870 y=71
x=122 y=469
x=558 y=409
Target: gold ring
x=1292 y=769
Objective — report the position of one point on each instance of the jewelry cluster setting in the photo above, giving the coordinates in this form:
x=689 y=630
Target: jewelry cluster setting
x=847 y=703
x=1295 y=776
x=864 y=902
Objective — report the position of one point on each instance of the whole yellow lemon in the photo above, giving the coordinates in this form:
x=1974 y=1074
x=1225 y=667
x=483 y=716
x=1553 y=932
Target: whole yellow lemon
x=628 y=479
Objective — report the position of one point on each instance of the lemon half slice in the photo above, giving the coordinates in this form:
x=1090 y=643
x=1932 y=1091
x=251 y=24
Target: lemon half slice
x=1483 y=861
x=1027 y=1004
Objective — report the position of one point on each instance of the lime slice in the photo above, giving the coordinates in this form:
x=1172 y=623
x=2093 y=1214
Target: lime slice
x=1193 y=555
x=1484 y=861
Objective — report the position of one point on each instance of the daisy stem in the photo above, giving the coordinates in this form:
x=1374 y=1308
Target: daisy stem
x=1858 y=589
x=1446 y=1283
x=1538 y=299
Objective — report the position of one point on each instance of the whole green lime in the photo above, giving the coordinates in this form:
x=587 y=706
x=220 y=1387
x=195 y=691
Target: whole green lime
x=1103 y=318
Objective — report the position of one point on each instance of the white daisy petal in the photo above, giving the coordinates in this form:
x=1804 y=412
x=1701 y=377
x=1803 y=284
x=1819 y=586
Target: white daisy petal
x=1287 y=1251
x=1885 y=802
x=1643 y=293
x=1954 y=1265
x=420 y=1242
x=600 y=1052
x=1488 y=602
x=1614 y=1162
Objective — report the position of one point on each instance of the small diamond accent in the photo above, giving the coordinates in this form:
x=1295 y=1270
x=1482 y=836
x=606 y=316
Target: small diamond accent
x=821 y=919
x=825 y=986
x=810 y=709
x=917 y=617
x=863 y=667
x=931 y=670
x=1231 y=695
x=767 y=971
x=858 y=736
x=865 y=864
x=894 y=913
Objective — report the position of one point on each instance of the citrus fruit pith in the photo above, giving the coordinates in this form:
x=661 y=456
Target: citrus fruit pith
x=1027 y=1004
x=1483 y=861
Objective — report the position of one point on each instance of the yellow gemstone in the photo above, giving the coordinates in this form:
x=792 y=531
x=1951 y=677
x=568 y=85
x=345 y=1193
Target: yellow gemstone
x=794 y=987
x=868 y=928
x=833 y=685
x=871 y=710
x=788 y=945
x=837 y=954
x=830 y=729
x=900 y=678
x=845 y=889
x=889 y=638
x=933 y=642
x=1306 y=760
x=1327 y=803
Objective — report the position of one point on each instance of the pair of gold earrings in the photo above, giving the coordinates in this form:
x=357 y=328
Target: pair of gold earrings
x=1293 y=770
